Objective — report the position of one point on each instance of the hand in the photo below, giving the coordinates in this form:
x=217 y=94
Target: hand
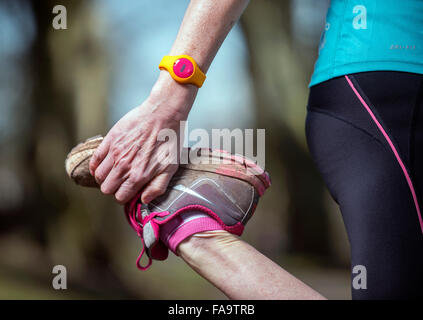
x=131 y=157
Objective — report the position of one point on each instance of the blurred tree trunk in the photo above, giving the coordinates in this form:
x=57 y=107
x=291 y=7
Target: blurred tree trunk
x=280 y=85
x=70 y=83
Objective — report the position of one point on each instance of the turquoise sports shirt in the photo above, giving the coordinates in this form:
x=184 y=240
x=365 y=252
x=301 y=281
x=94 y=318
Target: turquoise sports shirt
x=370 y=35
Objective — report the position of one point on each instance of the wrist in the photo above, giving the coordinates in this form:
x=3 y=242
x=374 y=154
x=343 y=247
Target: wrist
x=166 y=85
x=176 y=97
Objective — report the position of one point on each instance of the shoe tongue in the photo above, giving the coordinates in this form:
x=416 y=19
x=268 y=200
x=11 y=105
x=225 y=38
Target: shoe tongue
x=150 y=235
x=155 y=248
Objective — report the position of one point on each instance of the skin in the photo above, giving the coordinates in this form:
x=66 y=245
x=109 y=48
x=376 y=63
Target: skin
x=131 y=158
x=239 y=270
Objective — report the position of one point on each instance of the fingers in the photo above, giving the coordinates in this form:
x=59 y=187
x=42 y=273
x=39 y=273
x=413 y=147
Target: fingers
x=104 y=169
x=156 y=187
x=99 y=155
x=118 y=174
x=129 y=188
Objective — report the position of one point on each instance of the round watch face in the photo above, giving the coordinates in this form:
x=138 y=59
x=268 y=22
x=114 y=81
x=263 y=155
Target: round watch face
x=183 y=68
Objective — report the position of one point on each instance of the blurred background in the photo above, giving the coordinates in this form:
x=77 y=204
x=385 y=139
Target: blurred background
x=58 y=87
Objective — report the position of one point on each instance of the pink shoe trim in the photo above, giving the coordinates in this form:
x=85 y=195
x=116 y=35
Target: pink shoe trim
x=150 y=261
x=236 y=229
x=136 y=217
x=190 y=228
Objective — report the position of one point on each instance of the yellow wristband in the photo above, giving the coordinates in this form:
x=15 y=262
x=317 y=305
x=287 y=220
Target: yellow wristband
x=183 y=69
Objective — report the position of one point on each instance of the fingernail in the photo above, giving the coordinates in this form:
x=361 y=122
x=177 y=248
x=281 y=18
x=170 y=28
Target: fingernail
x=147 y=200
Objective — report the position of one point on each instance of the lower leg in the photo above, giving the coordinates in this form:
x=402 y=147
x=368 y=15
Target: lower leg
x=239 y=270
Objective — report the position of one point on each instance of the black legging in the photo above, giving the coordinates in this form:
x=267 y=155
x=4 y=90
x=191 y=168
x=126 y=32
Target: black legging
x=365 y=133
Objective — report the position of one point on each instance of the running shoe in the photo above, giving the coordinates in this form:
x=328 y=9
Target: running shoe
x=220 y=191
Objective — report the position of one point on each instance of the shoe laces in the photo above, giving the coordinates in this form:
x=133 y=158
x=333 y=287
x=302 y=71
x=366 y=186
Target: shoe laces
x=136 y=213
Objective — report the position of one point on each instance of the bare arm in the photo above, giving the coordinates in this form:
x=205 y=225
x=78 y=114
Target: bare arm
x=205 y=26
x=130 y=157
x=239 y=270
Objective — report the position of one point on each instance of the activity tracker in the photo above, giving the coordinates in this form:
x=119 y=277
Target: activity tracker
x=183 y=69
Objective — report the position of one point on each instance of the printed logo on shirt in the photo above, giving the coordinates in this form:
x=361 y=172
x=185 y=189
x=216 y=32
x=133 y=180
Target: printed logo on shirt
x=403 y=47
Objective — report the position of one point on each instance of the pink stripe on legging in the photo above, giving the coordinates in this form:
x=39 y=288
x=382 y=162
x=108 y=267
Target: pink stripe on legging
x=394 y=150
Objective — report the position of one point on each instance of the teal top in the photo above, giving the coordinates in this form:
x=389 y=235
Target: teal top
x=370 y=35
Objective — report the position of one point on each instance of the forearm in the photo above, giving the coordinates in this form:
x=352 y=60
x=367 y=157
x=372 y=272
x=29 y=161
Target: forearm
x=239 y=270
x=131 y=157
x=205 y=26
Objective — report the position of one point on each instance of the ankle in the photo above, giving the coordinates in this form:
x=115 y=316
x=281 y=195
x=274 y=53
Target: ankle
x=205 y=244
